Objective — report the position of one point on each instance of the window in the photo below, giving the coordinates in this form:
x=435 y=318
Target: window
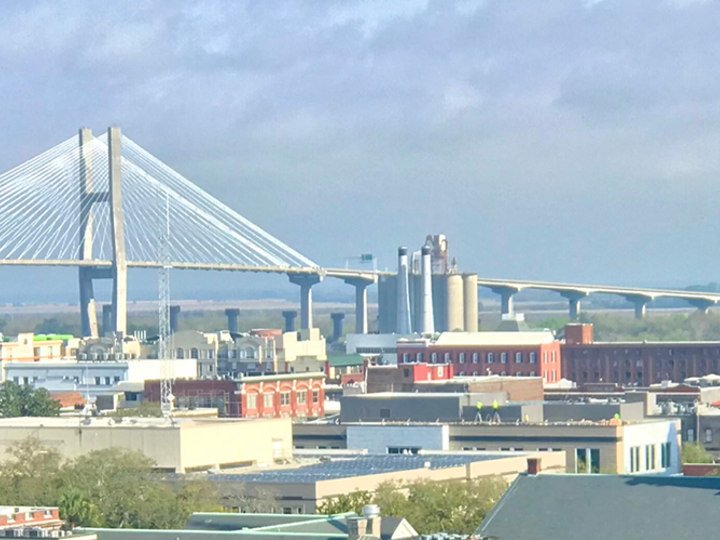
x=544 y=357
x=461 y=357
x=268 y=401
x=553 y=357
x=533 y=358
x=665 y=455
x=490 y=358
x=419 y=357
x=519 y=374
x=316 y=396
x=587 y=460
x=405 y=358
x=475 y=358
x=690 y=435
x=403 y=450
x=194 y=353
x=519 y=358
x=447 y=357
x=406 y=372
x=301 y=398
x=461 y=374
x=532 y=374
x=108 y=381
x=385 y=413
x=252 y=401
x=97 y=381
x=503 y=374
x=503 y=358
x=708 y=435
x=475 y=373
x=284 y=399
x=434 y=358
x=634 y=459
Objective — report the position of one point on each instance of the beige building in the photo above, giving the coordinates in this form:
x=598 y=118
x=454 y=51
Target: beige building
x=107 y=348
x=647 y=447
x=181 y=445
x=28 y=347
x=301 y=489
x=301 y=351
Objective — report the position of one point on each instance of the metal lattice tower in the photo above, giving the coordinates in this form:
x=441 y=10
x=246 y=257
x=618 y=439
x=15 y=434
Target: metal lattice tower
x=165 y=348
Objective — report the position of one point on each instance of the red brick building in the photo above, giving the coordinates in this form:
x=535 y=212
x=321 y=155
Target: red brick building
x=518 y=354
x=634 y=363
x=32 y=519
x=267 y=396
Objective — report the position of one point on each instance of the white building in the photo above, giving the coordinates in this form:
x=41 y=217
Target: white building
x=376 y=345
x=91 y=378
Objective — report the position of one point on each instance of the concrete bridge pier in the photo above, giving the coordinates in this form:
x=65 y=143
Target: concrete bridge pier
x=289 y=317
x=703 y=304
x=506 y=298
x=574 y=298
x=337 y=320
x=361 y=309
x=232 y=315
x=306 y=282
x=640 y=302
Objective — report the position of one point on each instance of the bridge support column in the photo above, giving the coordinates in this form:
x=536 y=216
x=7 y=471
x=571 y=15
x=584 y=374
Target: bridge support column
x=506 y=299
x=361 y=312
x=703 y=304
x=306 y=282
x=573 y=298
x=232 y=315
x=88 y=313
x=174 y=319
x=337 y=320
x=289 y=317
x=107 y=319
x=119 y=263
x=640 y=303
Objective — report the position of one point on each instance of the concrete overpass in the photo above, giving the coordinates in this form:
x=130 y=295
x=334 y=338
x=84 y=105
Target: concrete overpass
x=574 y=293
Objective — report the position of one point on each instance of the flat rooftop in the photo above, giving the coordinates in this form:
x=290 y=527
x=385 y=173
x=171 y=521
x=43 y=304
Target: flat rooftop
x=362 y=465
x=115 y=423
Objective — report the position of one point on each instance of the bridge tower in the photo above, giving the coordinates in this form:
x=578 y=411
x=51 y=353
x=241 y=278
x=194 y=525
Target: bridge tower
x=118 y=271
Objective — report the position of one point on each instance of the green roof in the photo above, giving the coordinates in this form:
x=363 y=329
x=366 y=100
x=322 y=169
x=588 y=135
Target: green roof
x=345 y=360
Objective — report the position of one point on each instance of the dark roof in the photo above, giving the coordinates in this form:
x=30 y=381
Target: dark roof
x=210 y=521
x=602 y=507
x=354 y=466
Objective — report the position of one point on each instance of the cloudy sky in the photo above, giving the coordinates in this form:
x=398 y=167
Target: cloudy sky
x=574 y=140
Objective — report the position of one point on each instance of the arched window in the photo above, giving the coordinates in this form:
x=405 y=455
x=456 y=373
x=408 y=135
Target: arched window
x=194 y=353
x=180 y=353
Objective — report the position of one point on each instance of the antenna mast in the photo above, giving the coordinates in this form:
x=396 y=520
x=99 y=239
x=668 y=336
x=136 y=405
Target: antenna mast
x=165 y=348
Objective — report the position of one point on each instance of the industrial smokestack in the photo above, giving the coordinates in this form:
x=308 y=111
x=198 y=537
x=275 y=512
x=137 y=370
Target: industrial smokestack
x=403 y=294
x=428 y=321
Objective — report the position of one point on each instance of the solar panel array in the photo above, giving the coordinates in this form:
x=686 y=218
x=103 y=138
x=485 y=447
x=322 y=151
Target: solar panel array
x=354 y=466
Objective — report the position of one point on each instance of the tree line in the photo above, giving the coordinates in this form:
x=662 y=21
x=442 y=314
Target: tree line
x=110 y=488
x=454 y=507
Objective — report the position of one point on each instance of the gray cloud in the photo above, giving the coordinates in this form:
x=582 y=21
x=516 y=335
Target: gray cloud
x=562 y=139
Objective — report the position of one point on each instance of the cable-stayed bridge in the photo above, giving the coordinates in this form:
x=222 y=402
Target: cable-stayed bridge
x=102 y=204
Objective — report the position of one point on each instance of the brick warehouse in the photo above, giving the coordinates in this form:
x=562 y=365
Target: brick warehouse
x=634 y=363
x=517 y=354
x=266 y=396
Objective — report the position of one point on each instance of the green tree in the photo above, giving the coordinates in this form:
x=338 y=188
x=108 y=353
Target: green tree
x=77 y=510
x=694 y=453
x=347 y=502
x=16 y=400
x=29 y=475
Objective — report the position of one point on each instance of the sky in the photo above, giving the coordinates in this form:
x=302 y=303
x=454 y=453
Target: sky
x=568 y=140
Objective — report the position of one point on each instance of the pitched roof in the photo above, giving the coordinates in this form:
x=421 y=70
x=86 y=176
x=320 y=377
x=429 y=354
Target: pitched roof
x=599 y=507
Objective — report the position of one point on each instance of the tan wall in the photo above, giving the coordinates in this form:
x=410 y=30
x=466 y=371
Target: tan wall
x=224 y=443
x=186 y=444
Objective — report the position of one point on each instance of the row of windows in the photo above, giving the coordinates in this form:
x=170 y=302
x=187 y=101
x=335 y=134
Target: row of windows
x=650 y=457
x=504 y=373
x=476 y=357
x=99 y=381
x=268 y=397
x=708 y=435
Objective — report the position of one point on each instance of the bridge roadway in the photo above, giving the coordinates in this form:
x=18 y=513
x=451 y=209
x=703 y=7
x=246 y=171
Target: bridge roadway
x=306 y=277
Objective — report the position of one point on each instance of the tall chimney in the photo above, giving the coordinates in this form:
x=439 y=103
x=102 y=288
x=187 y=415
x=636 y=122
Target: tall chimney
x=232 y=315
x=174 y=318
x=403 y=294
x=428 y=322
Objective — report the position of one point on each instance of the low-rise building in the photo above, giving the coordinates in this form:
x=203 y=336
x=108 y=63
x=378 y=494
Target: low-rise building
x=382 y=347
x=601 y=507
x=296 y=395
x=181 y=445
x=302 y=488
x=29 y=347
x=613 y=446
x=90 y=378
x=639 y=363
x=518 y=354
x=35 y=521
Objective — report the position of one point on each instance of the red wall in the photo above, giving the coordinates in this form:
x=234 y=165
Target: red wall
x=549 y=370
